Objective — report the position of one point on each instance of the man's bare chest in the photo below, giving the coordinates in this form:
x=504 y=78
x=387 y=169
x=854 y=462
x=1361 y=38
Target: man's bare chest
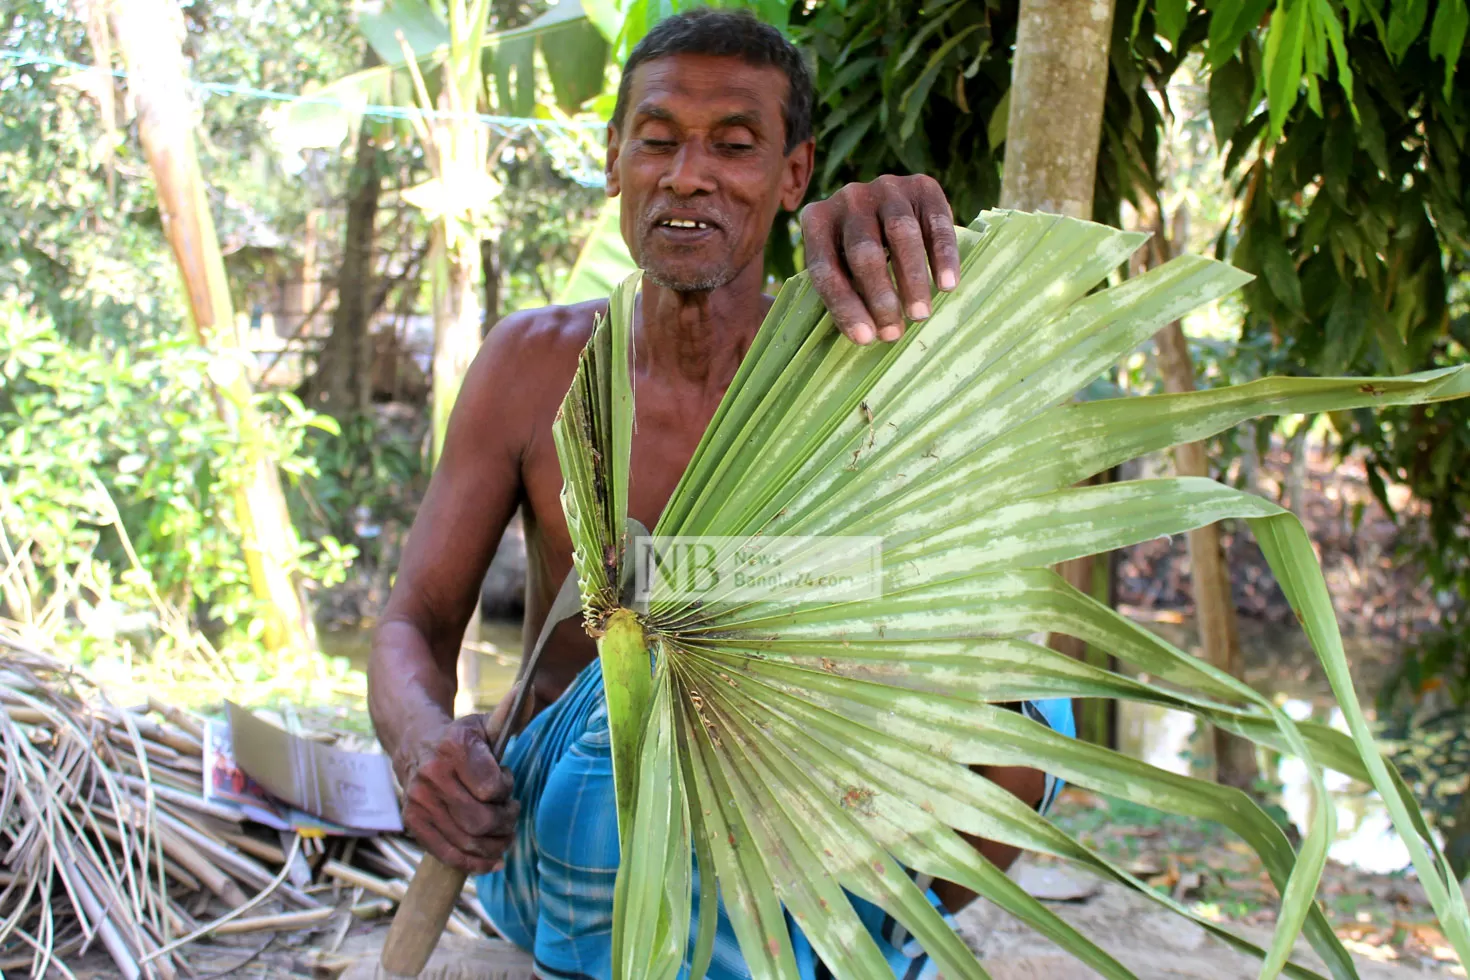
x=661 y=452
x=662 y=448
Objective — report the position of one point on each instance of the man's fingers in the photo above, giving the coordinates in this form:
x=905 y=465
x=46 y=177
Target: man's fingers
x=448 y=818
x=829 y=278
x=475 y=817
x=482 y=776
x=426 y=832
x=906 y=247
x=937 y=221
x=862 y=248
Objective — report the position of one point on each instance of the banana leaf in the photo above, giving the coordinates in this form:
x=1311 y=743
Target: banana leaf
x=603 y=261
x=572 y=46
x=806 y=748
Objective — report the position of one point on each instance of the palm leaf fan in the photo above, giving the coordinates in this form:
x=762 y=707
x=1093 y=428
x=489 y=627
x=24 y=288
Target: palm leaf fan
x=807 y=748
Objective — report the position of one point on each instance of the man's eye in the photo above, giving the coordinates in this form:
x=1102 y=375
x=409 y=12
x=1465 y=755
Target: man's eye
x=658 y=144
x=736 y=147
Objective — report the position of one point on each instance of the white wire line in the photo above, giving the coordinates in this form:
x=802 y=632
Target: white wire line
x=563 y=140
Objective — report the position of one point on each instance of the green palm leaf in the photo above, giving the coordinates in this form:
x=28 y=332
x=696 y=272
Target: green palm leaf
x=807 y=749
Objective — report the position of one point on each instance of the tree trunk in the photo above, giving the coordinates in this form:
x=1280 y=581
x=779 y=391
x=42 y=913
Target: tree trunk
x=346 y=360
x=1214 y=604
x=1058 y=79
x=490 y=271
x=149 y=34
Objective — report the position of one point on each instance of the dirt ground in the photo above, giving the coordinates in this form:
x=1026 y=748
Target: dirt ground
x=1150 y=941
x=1382 y=919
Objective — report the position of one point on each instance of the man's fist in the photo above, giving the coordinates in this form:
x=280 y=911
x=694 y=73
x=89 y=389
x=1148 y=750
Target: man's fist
x=458 y=803
x=851 y=236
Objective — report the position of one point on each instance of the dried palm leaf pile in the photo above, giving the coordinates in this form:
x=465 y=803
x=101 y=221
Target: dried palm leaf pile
x=109 y=843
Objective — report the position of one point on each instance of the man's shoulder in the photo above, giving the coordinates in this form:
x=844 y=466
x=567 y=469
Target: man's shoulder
x=534 y=351
x=522 y=372
x=548 y=330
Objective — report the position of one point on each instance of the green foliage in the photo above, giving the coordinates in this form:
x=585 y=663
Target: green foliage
x=543 y=224
x=93 y=261
x=361 y=481
x=1357 y=221
x=88 y=422
x=940 y=104
x=1432 y=750
x=87 y=247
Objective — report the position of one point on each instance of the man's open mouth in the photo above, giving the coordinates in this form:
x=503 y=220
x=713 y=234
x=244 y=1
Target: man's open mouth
x=685 y=223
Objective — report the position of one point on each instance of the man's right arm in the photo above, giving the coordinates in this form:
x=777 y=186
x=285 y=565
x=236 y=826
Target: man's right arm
x=457 y=798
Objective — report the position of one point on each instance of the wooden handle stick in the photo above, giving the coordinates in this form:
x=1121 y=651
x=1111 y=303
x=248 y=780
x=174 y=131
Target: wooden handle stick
x=425 y=909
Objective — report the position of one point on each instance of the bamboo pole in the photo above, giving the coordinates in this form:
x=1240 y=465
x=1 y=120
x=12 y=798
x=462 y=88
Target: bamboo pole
x=302 y=919
x=178 y=717
x=215 y=880
x=237 y=864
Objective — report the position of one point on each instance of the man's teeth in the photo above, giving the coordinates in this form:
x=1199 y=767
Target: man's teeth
x=683 y=223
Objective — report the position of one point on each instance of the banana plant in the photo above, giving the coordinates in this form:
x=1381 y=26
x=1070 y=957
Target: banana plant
x=603 y=261
x=571 y=44
x=578 y=40
x=800 y=749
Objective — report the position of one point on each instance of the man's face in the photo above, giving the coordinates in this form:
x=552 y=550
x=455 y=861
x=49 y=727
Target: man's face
x=701 y=166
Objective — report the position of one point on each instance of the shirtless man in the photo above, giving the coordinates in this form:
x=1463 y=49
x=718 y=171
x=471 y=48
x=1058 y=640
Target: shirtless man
x=711 y=137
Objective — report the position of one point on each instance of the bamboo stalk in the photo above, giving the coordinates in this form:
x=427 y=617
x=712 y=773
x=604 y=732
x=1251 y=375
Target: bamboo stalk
x=460 y=926
x=239 y=865
x=170 y=868
x=394 y=889
x=181 y=798
x=373 y=908
x=228 y=916
x=28 y=716
x=179 y=920
x=343 y=927
x=393 y=857
x=182 y=719
x=164 y=753
x=475 y=908
x=105 y=929
x=326 y=964
x=218 y=883
x=58 y=950
x=303 y=919
x=151 y=728
x=255 y=847
x=159 y=776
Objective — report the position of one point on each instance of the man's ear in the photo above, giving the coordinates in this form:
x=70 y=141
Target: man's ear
x=798 y=173
x=611 y=171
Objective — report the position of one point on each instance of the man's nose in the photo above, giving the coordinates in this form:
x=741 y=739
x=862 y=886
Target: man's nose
x=689 y=171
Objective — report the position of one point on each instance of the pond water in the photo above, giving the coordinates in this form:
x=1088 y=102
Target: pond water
x=498 y=658
x=1279 y=663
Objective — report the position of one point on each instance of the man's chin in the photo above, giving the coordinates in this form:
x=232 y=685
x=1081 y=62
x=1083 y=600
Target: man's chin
x=690 y=280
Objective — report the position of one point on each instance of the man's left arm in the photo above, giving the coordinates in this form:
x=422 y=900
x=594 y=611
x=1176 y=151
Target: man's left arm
x=851 y=236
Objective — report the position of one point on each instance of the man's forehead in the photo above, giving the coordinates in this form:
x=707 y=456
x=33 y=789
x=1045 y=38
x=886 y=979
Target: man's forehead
x=712 y=84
